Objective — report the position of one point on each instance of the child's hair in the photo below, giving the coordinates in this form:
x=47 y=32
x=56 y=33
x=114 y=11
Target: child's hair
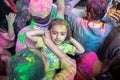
x=97 y=8
x=113 y=70
x=27 y=65
x=58 y=21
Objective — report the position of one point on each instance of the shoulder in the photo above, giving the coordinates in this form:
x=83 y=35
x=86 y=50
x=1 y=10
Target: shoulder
x=26 y=28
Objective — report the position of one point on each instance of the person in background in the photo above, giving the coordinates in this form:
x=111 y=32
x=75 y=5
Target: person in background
x=93 y=30
x=6 y=42
x=6 y=7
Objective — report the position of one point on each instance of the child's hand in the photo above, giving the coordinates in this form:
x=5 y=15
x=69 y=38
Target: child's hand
x=46 y=37
x=10 y=18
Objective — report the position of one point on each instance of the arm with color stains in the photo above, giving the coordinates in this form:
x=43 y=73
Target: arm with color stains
x=60 y=9
x=79 y=47
x=34 y=35
x=69 y=4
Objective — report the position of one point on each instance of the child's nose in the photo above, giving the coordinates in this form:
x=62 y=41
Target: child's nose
x=58 y=36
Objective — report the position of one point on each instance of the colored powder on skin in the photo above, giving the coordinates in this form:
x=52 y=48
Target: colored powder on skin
x=22 y=37
x=60 y=28
x=32 y=24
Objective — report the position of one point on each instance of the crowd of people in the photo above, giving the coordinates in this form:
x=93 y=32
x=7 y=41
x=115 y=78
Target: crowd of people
x=59 y=39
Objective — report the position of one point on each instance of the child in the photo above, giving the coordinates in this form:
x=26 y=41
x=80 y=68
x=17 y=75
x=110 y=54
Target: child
x=92 y=31
x=40 y=14
x=58 y=33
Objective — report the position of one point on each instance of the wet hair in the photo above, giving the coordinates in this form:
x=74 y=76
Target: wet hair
x=97 y=9
x=58 y=21
x=27 y=65
x=112 y=70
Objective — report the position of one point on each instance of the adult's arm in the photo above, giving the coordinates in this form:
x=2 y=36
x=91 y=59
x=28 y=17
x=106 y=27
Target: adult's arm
x=34 y=34
x=70 y=4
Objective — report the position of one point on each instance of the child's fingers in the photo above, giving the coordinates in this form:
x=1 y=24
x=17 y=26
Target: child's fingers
x=46 y=32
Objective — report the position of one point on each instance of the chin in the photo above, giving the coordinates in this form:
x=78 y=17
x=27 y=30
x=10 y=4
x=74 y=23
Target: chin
x=56 y=43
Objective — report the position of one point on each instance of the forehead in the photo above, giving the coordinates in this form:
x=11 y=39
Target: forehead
x=59 y=28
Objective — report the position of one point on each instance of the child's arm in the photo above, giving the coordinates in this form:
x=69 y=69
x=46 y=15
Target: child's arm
x=60 y=9
x=79 y=47
x=34 y=35
x=10 y=18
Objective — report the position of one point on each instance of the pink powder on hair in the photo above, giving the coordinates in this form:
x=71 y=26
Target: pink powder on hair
x=40 y=8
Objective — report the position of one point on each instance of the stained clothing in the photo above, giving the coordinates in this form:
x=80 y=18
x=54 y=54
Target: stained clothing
x=5 y=56
x=5 y=41
x=90 y=37
x=54 y=62
x=22 y=41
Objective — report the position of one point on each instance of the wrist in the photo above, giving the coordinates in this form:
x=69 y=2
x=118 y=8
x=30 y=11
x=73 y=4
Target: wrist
x=10 y=24
x=71 y=39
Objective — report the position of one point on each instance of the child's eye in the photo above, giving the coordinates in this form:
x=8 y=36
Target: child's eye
x=63 y=34
x=54 y=33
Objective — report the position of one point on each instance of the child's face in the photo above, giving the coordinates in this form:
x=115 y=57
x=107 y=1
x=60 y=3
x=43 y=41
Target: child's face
x=58 y=33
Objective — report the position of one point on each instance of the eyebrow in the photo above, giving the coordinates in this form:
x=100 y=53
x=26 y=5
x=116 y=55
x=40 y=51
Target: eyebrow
x=61 y=32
